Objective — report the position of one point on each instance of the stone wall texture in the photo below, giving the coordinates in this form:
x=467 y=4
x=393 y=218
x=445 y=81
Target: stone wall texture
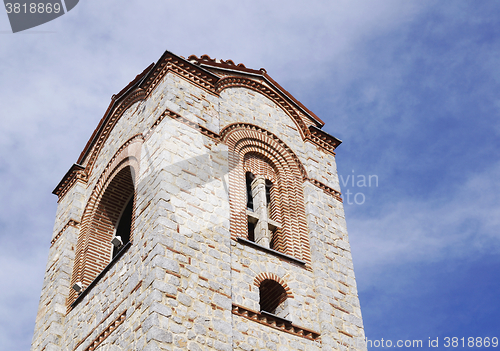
x=188 y=280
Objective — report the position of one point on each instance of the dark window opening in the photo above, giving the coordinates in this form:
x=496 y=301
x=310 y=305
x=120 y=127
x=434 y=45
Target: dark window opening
x=124 y=226
x=251 y=231
x=249 y=179
x=269 y=185
x=272 y=295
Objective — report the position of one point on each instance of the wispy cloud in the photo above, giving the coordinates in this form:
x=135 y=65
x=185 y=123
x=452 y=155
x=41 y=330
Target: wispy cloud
x=456 y=226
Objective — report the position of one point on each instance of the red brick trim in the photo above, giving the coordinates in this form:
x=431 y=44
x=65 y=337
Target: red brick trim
x=225 y=65
x=345 y=333
x=218 y=138
x=258 y=166
x=243 y=139
x=338 y=307
x=322 y=139
x=271 y=276
x=111 y=193
x=276 y=323
x=330 y=191
x=137 y=287
x=107 y=331
x=75 y=173
x=71 y=223
x=169 y=62
x=131 y=99
x=178 y=117
x=237 y=126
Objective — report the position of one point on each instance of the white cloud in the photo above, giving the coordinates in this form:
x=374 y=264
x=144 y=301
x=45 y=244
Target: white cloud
x=463 y=225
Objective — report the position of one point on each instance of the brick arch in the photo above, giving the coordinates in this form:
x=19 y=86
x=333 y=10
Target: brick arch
x=107 y=125
x=276 y=97
x=263 y=135
x=130 y=150
x=257 y=165
x=271 y=276
x=112 y=192
x=246 y=139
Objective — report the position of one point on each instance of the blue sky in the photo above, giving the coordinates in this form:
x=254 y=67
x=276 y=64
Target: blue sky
x=411 y=87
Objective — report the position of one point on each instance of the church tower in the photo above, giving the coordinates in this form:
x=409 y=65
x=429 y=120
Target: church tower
x=204 y=213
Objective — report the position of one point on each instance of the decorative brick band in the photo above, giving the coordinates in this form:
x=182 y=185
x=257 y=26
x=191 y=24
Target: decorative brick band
x=110 y=123
x=330 y=191
x=235 y=126
x=338 y=307
x=107 y=331
x=219 y=138
x=145 y=83
x=345 y=333
x=275 y=322
x=71 y=223
x=324 y=140
x=137 y=287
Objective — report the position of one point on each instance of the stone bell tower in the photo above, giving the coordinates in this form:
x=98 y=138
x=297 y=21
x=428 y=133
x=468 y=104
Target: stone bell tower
x=204 y=213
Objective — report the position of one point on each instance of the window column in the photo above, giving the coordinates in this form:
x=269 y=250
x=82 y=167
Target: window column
x=258 y=187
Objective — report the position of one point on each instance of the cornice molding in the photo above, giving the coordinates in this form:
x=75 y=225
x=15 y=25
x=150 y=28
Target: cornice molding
x=167 y=112
x=71 y=223
x=330 y=191
x=107 y=331
x=199 y=72
x=275 y=322
x=184 y=68
x=322 y=139
x=75 y=173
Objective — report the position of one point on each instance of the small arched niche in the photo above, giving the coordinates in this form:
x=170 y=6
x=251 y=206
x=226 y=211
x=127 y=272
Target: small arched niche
x=273 y=298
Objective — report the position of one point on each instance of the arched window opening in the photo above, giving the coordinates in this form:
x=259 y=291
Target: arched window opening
x=111 y=217
x=123 y=228
x=108 y=215
x=273 y=298
x=266 y=193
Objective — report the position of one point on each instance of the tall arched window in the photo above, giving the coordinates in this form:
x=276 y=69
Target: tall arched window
x=107 y=226
x=266 y=191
